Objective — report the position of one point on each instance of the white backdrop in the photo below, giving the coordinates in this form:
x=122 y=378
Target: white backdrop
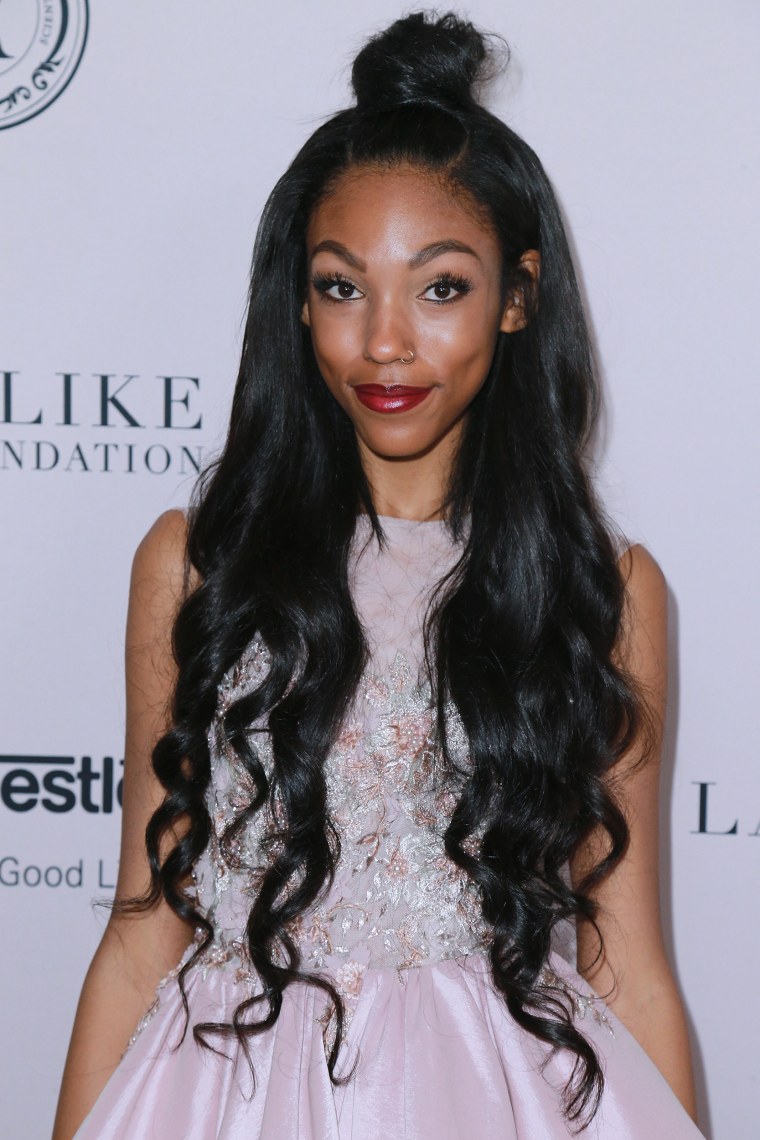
x=129 y=206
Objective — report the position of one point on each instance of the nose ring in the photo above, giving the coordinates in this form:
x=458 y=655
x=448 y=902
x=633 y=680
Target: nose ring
x=403 y=359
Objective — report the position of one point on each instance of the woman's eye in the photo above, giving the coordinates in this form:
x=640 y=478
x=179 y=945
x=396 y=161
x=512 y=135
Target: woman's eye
x=447 y=289
x=343 y=289
x=336 y=288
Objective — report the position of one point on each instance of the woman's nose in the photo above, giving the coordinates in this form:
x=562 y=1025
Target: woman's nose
x=388 y=334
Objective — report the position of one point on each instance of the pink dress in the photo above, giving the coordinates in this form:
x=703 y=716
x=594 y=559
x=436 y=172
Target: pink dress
x=436 y=1054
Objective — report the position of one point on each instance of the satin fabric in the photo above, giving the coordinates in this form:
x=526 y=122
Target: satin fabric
x=435 y=1056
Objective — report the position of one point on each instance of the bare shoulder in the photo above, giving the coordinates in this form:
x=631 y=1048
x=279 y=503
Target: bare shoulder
x=169 y=530
x=646 y=594
x=642 y=648
x=641 y=572
x=160 y=562
x=160 y=583
x=162 y=551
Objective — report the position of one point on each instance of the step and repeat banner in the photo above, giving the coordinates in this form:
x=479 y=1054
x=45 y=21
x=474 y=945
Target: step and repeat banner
x=138 y=143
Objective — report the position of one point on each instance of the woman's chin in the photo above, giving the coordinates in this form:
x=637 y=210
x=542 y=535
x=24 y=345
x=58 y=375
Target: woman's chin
x=405 y=442
x=399 y=447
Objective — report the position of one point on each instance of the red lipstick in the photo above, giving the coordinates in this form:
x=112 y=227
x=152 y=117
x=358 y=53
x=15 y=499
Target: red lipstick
x=390 y=397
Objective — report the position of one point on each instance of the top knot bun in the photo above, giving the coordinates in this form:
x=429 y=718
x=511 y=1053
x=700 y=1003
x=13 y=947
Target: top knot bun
x=422 y=58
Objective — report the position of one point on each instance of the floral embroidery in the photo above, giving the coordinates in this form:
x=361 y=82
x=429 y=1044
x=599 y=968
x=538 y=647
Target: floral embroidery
x=397 y=900
x=348 y=978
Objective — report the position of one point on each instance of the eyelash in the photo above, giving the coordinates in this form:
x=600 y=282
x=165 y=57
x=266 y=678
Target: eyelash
x=463 y=285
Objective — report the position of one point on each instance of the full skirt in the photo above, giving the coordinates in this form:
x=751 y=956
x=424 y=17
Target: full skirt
x=435 y=1056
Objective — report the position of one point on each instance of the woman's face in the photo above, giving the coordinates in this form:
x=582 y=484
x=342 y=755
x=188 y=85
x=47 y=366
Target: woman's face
x=399 y=265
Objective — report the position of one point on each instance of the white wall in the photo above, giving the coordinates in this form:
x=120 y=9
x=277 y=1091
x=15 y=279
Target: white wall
x=129 y=207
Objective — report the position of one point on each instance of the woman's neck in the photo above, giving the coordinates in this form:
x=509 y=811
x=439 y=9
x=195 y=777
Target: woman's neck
x=410 y=487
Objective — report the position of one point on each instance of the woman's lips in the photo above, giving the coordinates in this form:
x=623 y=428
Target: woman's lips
x=390 y=397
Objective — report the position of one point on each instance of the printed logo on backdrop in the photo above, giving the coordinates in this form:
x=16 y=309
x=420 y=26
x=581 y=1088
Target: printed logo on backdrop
x=41 y=46
x=61 y=784
x=74 y=786
x=715 y=815
x=106 y=423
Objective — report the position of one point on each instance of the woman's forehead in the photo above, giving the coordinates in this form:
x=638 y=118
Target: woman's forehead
x=402 y=203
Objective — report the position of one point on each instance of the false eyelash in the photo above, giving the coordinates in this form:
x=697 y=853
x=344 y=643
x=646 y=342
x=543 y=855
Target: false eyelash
x=454 y=281
x=324 y=281
x=463 y=285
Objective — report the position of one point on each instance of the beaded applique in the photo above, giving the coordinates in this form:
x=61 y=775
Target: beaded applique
x=582 y=1003
x=155 y=1005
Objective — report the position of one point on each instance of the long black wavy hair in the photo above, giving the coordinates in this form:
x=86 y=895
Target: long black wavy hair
x=521 y=635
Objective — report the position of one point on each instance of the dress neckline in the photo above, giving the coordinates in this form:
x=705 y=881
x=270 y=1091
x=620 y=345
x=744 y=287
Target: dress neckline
x=418 y=539
x=394 y=520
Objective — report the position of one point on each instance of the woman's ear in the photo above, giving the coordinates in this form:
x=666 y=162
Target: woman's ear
x=515 y=314
x=305 y=314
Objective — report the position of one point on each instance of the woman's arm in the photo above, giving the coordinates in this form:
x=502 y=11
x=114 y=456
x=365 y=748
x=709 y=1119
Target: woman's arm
x=633 y=973
x=136 y=950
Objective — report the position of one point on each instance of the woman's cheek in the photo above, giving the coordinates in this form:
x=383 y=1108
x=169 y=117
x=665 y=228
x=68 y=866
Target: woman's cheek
x=336 y=345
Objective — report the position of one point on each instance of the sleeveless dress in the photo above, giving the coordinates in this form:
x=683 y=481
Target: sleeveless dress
x=433 y=1052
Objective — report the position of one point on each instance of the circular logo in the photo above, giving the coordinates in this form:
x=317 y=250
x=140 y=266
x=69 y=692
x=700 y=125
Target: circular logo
x=41 y=44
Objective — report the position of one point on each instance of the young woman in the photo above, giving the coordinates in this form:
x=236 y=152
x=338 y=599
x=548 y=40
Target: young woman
x=410 y=681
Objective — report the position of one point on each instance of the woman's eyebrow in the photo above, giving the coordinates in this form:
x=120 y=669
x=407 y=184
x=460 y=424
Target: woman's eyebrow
x=329 y=246
x=436 y=248
x=421 y=257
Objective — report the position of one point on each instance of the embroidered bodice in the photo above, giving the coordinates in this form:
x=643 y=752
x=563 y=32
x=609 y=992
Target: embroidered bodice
x=429 y=1048
x=397 y=900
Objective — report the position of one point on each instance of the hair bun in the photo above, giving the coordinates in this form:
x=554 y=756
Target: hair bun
x=421 y=58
